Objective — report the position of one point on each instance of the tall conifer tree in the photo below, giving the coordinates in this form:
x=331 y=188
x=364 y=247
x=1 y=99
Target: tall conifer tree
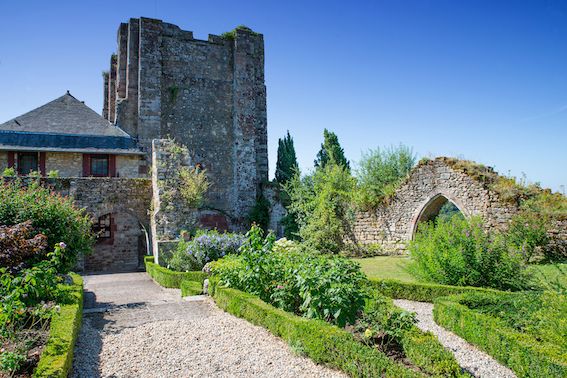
x=331 y=152
x=287 y=160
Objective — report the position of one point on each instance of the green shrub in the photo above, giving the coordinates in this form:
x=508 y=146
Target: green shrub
x=260 y=213
x=320 y=341
x=189 y=288
x=57 y=356
x=380 y=172
x=18 y=249
x=51 y=214
x=193 y=186
x=418 y=291
x=9 y=172
x=526 y=355
x=168 y=278
x=322 y=207
x=527 y=233
x=460 y=252
x=306 y=283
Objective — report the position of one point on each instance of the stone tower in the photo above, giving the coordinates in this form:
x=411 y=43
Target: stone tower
x=208 y=95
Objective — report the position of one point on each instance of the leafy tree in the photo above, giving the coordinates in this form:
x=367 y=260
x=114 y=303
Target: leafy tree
x=287 y=160
x=321 y=205
x=381 y=171
x=331 y=152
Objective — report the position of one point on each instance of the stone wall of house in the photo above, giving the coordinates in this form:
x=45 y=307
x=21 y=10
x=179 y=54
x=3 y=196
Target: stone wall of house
x=68 y=164
x=207 y=95
x=429 y=185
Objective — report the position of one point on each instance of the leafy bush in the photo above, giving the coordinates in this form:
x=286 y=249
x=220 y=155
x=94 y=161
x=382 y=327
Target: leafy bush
x=9 y=172
x=305 y=283
x=322 y=206
x=260 y=213
x=527 y=233
x=380 y=172
x=50 y=214
x=205 y=247
x=193 y=186
x=18 y=247
x=460 y=252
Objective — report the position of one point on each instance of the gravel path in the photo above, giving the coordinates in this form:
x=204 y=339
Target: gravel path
x=473 y=360
x=178 y=338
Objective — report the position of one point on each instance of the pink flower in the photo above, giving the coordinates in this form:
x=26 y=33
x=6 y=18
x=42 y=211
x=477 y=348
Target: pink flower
x=279 y=287
x=62 y=245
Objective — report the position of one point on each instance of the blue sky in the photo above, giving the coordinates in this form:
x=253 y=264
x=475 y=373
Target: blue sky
x=482 y=80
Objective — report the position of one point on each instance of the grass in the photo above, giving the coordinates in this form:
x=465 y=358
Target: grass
x=386 y=267
x=547 y=276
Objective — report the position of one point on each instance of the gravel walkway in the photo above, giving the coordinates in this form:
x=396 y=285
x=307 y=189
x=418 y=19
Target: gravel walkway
x=473 y=360
x=176 y=338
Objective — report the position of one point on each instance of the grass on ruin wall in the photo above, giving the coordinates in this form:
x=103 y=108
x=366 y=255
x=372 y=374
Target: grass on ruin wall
x=526 y=356
x=57 y=357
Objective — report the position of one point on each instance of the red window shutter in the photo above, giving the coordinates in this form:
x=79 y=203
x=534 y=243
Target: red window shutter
x=11 y=158
x=42 y=163
x=86 y=165
x=112 y=165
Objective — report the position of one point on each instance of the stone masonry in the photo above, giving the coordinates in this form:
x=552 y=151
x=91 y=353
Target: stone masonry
x=207 y=95
x=428 y=187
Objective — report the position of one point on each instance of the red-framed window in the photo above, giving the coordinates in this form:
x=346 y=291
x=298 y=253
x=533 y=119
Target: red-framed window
x=99 y=165
x=27 y=161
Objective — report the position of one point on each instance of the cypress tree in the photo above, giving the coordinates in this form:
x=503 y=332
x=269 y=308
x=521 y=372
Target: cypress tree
x=331 y=152
x=287 y=160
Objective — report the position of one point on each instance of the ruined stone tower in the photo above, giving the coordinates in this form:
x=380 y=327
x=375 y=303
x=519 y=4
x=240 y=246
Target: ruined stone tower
x=207 y=95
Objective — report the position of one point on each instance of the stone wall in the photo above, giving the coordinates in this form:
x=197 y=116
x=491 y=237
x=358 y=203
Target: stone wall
x=428 y=187
x=277 y=210
x=207 y=95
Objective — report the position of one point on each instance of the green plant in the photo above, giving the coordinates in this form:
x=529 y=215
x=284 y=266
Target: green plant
x=303 y=282
x=231 y=35
x=191 y=288
x=460 y=252
x=527 y=233
x=193 y=186
x=18 y=248
x=331 y=152
x=168 y=278
x=286 y=165
x=380 y=172
x=525 y=354
x=260 y=213
x=321 y=206
x=54 y=173
x=9 y=172
x=50 y=214
x=12 y=361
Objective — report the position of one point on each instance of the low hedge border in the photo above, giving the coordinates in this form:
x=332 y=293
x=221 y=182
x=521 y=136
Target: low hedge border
x=189 y=288
x=168 y=278
x=520 y=352
x=57 y=356
x=422 y=292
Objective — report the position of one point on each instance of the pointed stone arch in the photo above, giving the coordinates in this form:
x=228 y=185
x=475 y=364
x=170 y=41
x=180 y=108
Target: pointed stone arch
x=431 y=207
x=394 y=223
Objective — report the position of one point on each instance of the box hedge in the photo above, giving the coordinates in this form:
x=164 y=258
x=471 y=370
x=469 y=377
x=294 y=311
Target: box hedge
x=522 y=353
x=57 y=356
x=422 y=292
x=169 y=278
x=189 y=288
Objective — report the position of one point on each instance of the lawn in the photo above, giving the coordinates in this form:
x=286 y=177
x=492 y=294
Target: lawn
x=386 y=267
x=548 y=276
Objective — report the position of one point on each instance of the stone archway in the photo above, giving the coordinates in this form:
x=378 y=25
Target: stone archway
x=431 y=209
x=429 y=185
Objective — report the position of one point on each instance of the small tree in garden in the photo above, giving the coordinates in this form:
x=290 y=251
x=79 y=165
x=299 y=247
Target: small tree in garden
x=193 y=186
x=331 y=152
x=286 y=165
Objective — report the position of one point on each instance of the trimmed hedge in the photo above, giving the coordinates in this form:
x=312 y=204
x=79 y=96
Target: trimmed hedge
x=519 y=351
x=418 y=291
x=169 y=278
x=57 y=356
x=319 y=340
x=191 y=288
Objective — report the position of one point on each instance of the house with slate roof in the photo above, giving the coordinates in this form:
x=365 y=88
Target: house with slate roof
x=67 y=136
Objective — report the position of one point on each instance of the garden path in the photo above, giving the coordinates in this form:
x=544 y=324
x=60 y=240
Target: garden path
x=135 y=328
x=473 y=360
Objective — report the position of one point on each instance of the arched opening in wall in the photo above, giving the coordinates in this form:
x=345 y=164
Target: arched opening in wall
x=439 y=208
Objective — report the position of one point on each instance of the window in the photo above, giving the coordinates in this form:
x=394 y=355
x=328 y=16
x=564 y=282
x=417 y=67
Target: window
x=99 y=165
x=103 y=227
x=27 y=162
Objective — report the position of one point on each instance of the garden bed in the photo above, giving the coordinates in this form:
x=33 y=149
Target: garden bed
x=524 y=331
x=57 y=355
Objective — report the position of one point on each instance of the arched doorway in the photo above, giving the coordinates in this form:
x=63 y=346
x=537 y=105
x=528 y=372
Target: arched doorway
x=438 y=207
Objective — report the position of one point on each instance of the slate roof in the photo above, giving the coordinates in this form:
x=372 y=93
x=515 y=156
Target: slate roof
x=65 y=124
